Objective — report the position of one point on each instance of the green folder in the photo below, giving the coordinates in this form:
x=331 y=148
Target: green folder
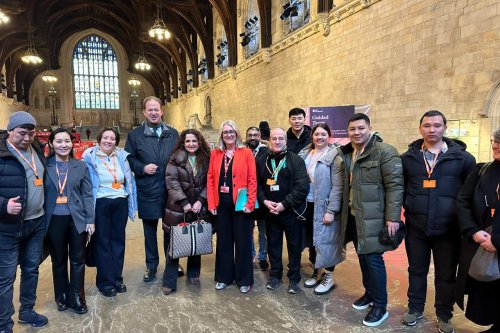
x=242 y=199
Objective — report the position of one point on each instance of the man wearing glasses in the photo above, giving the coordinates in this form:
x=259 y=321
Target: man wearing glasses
x=283 y=185
x=435 y=168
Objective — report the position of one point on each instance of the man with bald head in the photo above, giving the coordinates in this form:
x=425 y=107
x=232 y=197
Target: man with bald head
x=283 y=185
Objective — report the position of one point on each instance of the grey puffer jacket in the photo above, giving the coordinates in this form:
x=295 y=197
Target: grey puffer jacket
x=377 y=185
x=329 y=179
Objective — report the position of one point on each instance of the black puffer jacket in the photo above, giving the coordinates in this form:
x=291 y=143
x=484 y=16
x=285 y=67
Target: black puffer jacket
x=434 y=210
x=13 y=184
x=184 y=188
x=295 y=144
x=145 y=148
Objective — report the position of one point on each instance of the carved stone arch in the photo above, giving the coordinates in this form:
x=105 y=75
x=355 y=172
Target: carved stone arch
x=491 y=108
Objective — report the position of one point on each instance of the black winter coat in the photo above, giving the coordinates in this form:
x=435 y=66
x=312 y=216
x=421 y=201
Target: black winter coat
x=295 y=144
x=13 y=184
x=144 y=148
x=434 y=210
x=184 y=188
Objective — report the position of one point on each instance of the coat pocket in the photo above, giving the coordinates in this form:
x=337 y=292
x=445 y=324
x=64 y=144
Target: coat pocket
x=370 y=172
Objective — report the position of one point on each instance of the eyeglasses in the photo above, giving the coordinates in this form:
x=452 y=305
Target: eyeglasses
x=230 y=132
x=495 y=142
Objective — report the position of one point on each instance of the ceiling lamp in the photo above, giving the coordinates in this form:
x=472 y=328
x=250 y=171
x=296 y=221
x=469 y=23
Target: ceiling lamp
x=159 y=30
x=134 y=81
x=31 y=56
x=48 y=76
x=4 y=19
x=142 y=64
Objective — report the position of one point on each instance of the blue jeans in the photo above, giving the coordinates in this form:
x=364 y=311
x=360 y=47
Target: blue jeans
x=25 y=249
x=261 y=225
x=373 y=270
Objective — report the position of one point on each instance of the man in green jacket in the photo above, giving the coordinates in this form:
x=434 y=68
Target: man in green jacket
x=372 y=200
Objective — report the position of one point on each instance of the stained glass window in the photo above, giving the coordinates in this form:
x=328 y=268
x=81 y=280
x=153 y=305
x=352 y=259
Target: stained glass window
x=95 y=74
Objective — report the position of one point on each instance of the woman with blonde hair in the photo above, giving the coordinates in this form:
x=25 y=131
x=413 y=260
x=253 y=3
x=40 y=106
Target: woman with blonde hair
x=231 y=170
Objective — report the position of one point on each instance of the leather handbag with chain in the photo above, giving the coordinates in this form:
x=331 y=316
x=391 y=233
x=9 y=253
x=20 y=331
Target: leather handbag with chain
x=190 y=239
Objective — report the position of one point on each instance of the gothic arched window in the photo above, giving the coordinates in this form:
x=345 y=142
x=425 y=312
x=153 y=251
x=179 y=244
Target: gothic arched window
x=95 y=74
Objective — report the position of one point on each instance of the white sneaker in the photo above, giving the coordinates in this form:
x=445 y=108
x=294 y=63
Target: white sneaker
x=326 y=284
x=312 y=281
x=220 y=285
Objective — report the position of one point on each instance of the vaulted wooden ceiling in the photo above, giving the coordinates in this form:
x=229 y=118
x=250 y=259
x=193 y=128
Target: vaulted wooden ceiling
x=53 y=21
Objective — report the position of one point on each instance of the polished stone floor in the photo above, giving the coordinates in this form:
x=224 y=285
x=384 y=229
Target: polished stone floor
x=143 y=308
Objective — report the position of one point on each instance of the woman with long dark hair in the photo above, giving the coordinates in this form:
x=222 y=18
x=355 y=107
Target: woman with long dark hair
x=69 y=213
x=186 y=182
x=324 y=202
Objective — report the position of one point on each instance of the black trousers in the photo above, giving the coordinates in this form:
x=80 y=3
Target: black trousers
x=286 y=222
x=170 y=274
x=445 y=252
x=63 y=240
x=110 y=222
x=151 y=243
x=233 y=257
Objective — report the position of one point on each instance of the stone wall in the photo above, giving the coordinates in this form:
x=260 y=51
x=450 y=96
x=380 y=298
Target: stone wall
x=402 y=57
x=7 y=107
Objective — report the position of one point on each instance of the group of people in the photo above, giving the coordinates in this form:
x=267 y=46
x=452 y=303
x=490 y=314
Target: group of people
x=320 y=195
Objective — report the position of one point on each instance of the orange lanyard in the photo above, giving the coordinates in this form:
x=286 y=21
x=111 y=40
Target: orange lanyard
x=32 y=164
x=112 y=172
x=63 y=185
x=428 y=167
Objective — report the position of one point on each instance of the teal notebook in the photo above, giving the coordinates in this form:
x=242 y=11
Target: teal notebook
x=242 y=199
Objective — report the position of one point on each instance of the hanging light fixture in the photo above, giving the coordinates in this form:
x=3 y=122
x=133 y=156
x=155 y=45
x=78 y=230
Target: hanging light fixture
x=142 y=64
x=159 y=30
x=31 y=56
x=134 y=81
x=48 y=76
x=4 y=19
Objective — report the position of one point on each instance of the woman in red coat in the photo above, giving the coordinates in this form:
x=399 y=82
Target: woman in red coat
x=232 y=169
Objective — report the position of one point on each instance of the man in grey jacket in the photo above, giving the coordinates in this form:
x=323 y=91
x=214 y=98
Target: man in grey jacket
x=372 y=200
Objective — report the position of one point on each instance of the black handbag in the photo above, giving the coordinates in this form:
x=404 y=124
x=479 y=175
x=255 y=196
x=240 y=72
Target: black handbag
x=395 y=240
x=89 y=253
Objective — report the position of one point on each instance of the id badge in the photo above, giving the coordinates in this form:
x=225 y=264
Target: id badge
x=62 y=200
x=275 y=188
x=271 y=181
x=38 y=181
x=116 y=185
x=224 y=189
x=429 y=183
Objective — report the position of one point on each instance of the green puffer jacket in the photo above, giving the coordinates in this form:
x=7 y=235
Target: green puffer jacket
x=377 y=184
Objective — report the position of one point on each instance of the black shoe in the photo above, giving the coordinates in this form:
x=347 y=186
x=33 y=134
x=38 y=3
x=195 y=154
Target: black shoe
x=121 y=288
x=32 y=318
x=180 y=271
x=376 y=316
x=263 y=265
x=293 y=288
x=108 y=292
x=6 y=330
x=62 y=304
x=362 y=303
x=149 y=275
x=80 y=306
x=273 y=283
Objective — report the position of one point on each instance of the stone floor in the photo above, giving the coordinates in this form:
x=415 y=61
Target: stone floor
x=143 y=308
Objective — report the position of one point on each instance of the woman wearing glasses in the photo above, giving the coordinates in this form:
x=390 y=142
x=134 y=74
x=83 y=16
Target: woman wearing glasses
x=478 y=202
x=231 y=170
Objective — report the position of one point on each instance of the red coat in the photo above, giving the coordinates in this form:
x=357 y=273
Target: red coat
x=244 y=175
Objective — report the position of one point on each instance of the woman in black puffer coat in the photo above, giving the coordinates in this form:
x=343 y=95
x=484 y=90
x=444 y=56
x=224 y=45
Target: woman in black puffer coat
x=186 y=182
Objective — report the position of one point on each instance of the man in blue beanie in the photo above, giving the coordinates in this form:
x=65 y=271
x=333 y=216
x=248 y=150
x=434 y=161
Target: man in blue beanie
x=22 y=224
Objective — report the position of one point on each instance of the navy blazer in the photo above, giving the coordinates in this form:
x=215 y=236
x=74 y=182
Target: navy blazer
x=79 y=191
